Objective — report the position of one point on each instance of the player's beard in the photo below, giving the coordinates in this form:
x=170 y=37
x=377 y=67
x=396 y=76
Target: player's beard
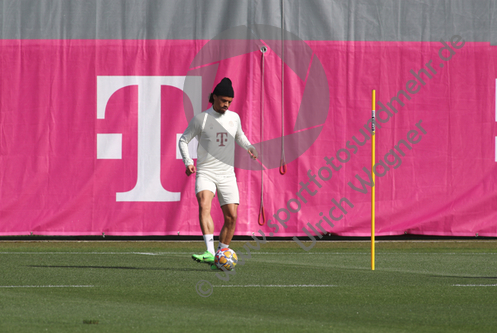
x=221 y=110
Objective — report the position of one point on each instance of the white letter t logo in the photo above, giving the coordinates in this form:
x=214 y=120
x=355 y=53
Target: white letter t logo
x=148 y=185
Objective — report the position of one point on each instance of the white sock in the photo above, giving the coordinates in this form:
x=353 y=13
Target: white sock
x=222 y=246
x=209 y=243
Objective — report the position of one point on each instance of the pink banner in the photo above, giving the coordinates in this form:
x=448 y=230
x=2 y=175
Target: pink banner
x=89 y=137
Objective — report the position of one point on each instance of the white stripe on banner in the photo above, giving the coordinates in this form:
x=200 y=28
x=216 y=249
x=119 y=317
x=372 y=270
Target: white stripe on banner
x=277 y=286
x=51 y=286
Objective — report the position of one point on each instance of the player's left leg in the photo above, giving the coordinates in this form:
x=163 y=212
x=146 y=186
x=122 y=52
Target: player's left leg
x=229 y=199
x=227 y=190
x=230 y=212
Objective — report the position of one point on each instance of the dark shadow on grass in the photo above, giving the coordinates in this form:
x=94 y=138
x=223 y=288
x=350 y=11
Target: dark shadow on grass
x=128 y=268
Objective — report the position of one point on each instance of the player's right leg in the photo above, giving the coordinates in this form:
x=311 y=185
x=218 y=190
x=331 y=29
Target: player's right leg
x=205 y=257
x=205 y=193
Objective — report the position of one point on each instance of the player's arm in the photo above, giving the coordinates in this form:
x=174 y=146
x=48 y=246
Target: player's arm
x=242 y=140
x=253 y=152
x=190 y=169
x=191 y=131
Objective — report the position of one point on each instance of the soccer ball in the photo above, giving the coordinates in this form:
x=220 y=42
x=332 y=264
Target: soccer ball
x=226 y=258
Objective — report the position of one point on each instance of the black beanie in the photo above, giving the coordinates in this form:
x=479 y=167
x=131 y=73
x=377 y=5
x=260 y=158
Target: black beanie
x=224 y=88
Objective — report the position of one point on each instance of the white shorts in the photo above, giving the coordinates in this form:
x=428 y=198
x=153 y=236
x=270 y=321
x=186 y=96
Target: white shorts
x=225 y=186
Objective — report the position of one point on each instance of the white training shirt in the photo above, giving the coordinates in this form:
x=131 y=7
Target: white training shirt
x=216 y=134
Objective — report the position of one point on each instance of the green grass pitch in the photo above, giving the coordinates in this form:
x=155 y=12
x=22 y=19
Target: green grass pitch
x=113 y=286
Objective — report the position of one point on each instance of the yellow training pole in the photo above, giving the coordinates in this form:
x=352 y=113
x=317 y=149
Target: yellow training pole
x=372 y=175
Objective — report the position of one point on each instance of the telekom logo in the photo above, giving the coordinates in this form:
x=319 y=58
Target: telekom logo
x=109 y=145
x=222 y=137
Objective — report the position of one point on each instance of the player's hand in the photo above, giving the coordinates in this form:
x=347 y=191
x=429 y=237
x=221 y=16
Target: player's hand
x=253 y=153
x=190 y=170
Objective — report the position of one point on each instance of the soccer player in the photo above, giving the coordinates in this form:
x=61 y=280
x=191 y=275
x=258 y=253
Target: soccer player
x=217 y=130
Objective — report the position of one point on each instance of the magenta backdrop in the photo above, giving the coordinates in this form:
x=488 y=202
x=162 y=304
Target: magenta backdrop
x=52 y=182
